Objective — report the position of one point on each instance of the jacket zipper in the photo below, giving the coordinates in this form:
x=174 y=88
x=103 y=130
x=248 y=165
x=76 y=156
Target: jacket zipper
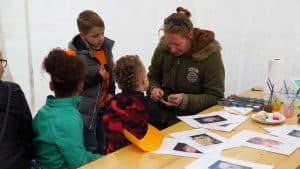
x=176 y=76
x=95 y=108
x=97 y=100
x=98 y=95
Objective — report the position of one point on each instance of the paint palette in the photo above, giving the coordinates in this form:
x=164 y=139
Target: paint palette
x=238 y=101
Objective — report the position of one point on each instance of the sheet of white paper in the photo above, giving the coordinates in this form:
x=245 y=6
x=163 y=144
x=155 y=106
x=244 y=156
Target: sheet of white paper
x=214 y=118
x=230 y=126
x=274 y=129
x=204 y=140
x=238 y=110
x=224 y=162
x=173 y=147
x=263 y=142
x=290 y=133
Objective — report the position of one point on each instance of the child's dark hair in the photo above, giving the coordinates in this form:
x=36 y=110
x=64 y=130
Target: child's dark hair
x=127 y=70
x=87 y=20
x=179 y=22
x=67 y=71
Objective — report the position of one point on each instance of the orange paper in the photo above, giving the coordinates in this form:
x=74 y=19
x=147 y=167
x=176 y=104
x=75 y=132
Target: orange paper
x=151 y=141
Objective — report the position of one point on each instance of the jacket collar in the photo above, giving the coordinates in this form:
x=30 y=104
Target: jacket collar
x=69 y=101
x=79 y=45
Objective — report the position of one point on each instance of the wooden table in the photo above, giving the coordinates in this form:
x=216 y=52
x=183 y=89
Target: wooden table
x=131 y=157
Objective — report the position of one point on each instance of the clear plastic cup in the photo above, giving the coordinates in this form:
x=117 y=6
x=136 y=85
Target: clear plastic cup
x=267 y=106
x=276 y=107
x=297 y=106
x=288 y=110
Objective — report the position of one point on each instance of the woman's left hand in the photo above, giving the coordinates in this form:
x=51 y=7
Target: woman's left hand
x=175 y=99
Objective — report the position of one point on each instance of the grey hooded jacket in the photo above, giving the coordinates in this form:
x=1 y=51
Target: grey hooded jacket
x=88 y=105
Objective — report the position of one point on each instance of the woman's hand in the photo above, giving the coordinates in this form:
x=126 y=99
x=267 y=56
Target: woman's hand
x=175 y=99
x=157 y=94
x=167 y=103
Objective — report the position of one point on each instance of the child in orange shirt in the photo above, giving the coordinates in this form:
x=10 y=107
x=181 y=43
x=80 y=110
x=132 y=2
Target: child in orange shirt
x=96 y=50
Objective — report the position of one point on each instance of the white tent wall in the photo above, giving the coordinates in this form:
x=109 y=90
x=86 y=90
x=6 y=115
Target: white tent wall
x=250 y=32
x=13 y=42
x=7 y=75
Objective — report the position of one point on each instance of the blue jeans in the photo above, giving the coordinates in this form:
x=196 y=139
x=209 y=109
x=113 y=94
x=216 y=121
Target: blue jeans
x=95 y=138
x=34 y=165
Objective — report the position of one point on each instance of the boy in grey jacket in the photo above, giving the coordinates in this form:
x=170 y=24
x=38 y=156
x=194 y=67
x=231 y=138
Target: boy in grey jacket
x=99 y=86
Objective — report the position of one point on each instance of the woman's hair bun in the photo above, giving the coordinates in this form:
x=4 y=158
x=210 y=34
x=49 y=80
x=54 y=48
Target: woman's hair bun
x=184 y=11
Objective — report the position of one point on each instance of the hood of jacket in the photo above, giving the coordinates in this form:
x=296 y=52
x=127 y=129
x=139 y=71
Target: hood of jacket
x=203 y=44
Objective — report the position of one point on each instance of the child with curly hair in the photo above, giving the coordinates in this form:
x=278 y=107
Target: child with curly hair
x=129 y=112
x=58 y=125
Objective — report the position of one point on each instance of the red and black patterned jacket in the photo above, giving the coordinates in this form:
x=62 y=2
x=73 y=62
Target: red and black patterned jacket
x=128 y=110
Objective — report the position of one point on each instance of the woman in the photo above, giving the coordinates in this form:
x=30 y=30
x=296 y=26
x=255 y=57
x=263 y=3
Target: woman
x=186 y=72
x=16 y=135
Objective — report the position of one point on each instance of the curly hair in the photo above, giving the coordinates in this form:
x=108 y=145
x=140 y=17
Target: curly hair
x=66 y=71
x=179 y=22
x=87 y=20
x=127 y=70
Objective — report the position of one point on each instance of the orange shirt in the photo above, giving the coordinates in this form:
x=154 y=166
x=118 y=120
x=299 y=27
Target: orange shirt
x=100 y=56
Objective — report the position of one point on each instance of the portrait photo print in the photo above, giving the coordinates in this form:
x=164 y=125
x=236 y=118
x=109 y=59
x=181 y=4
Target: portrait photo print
x=226 y=165
x=186 y=148
x=210 y=119
x=294 y=133
x=265 y=142
x=205 y=139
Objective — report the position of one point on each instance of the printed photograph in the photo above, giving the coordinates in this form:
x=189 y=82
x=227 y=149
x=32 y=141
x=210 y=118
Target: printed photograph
x=226 y=165
x=210 y=119
x=186 y=148
x=205 y=139
x=225 y=125
x=295 y=133
x=265 y=142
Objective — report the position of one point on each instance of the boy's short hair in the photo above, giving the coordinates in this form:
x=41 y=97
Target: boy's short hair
x=87 y=20
x=127 y=71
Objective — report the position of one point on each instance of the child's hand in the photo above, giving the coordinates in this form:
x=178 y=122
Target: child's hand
x=103 y=72
x=108 y=97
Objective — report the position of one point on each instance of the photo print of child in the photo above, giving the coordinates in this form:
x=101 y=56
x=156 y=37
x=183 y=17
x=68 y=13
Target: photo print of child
x=294 y=133
x=205 y=139
x=265 y=142
x=210 y=119
x=186 y=148
x=226 y=165
x=224 y=125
